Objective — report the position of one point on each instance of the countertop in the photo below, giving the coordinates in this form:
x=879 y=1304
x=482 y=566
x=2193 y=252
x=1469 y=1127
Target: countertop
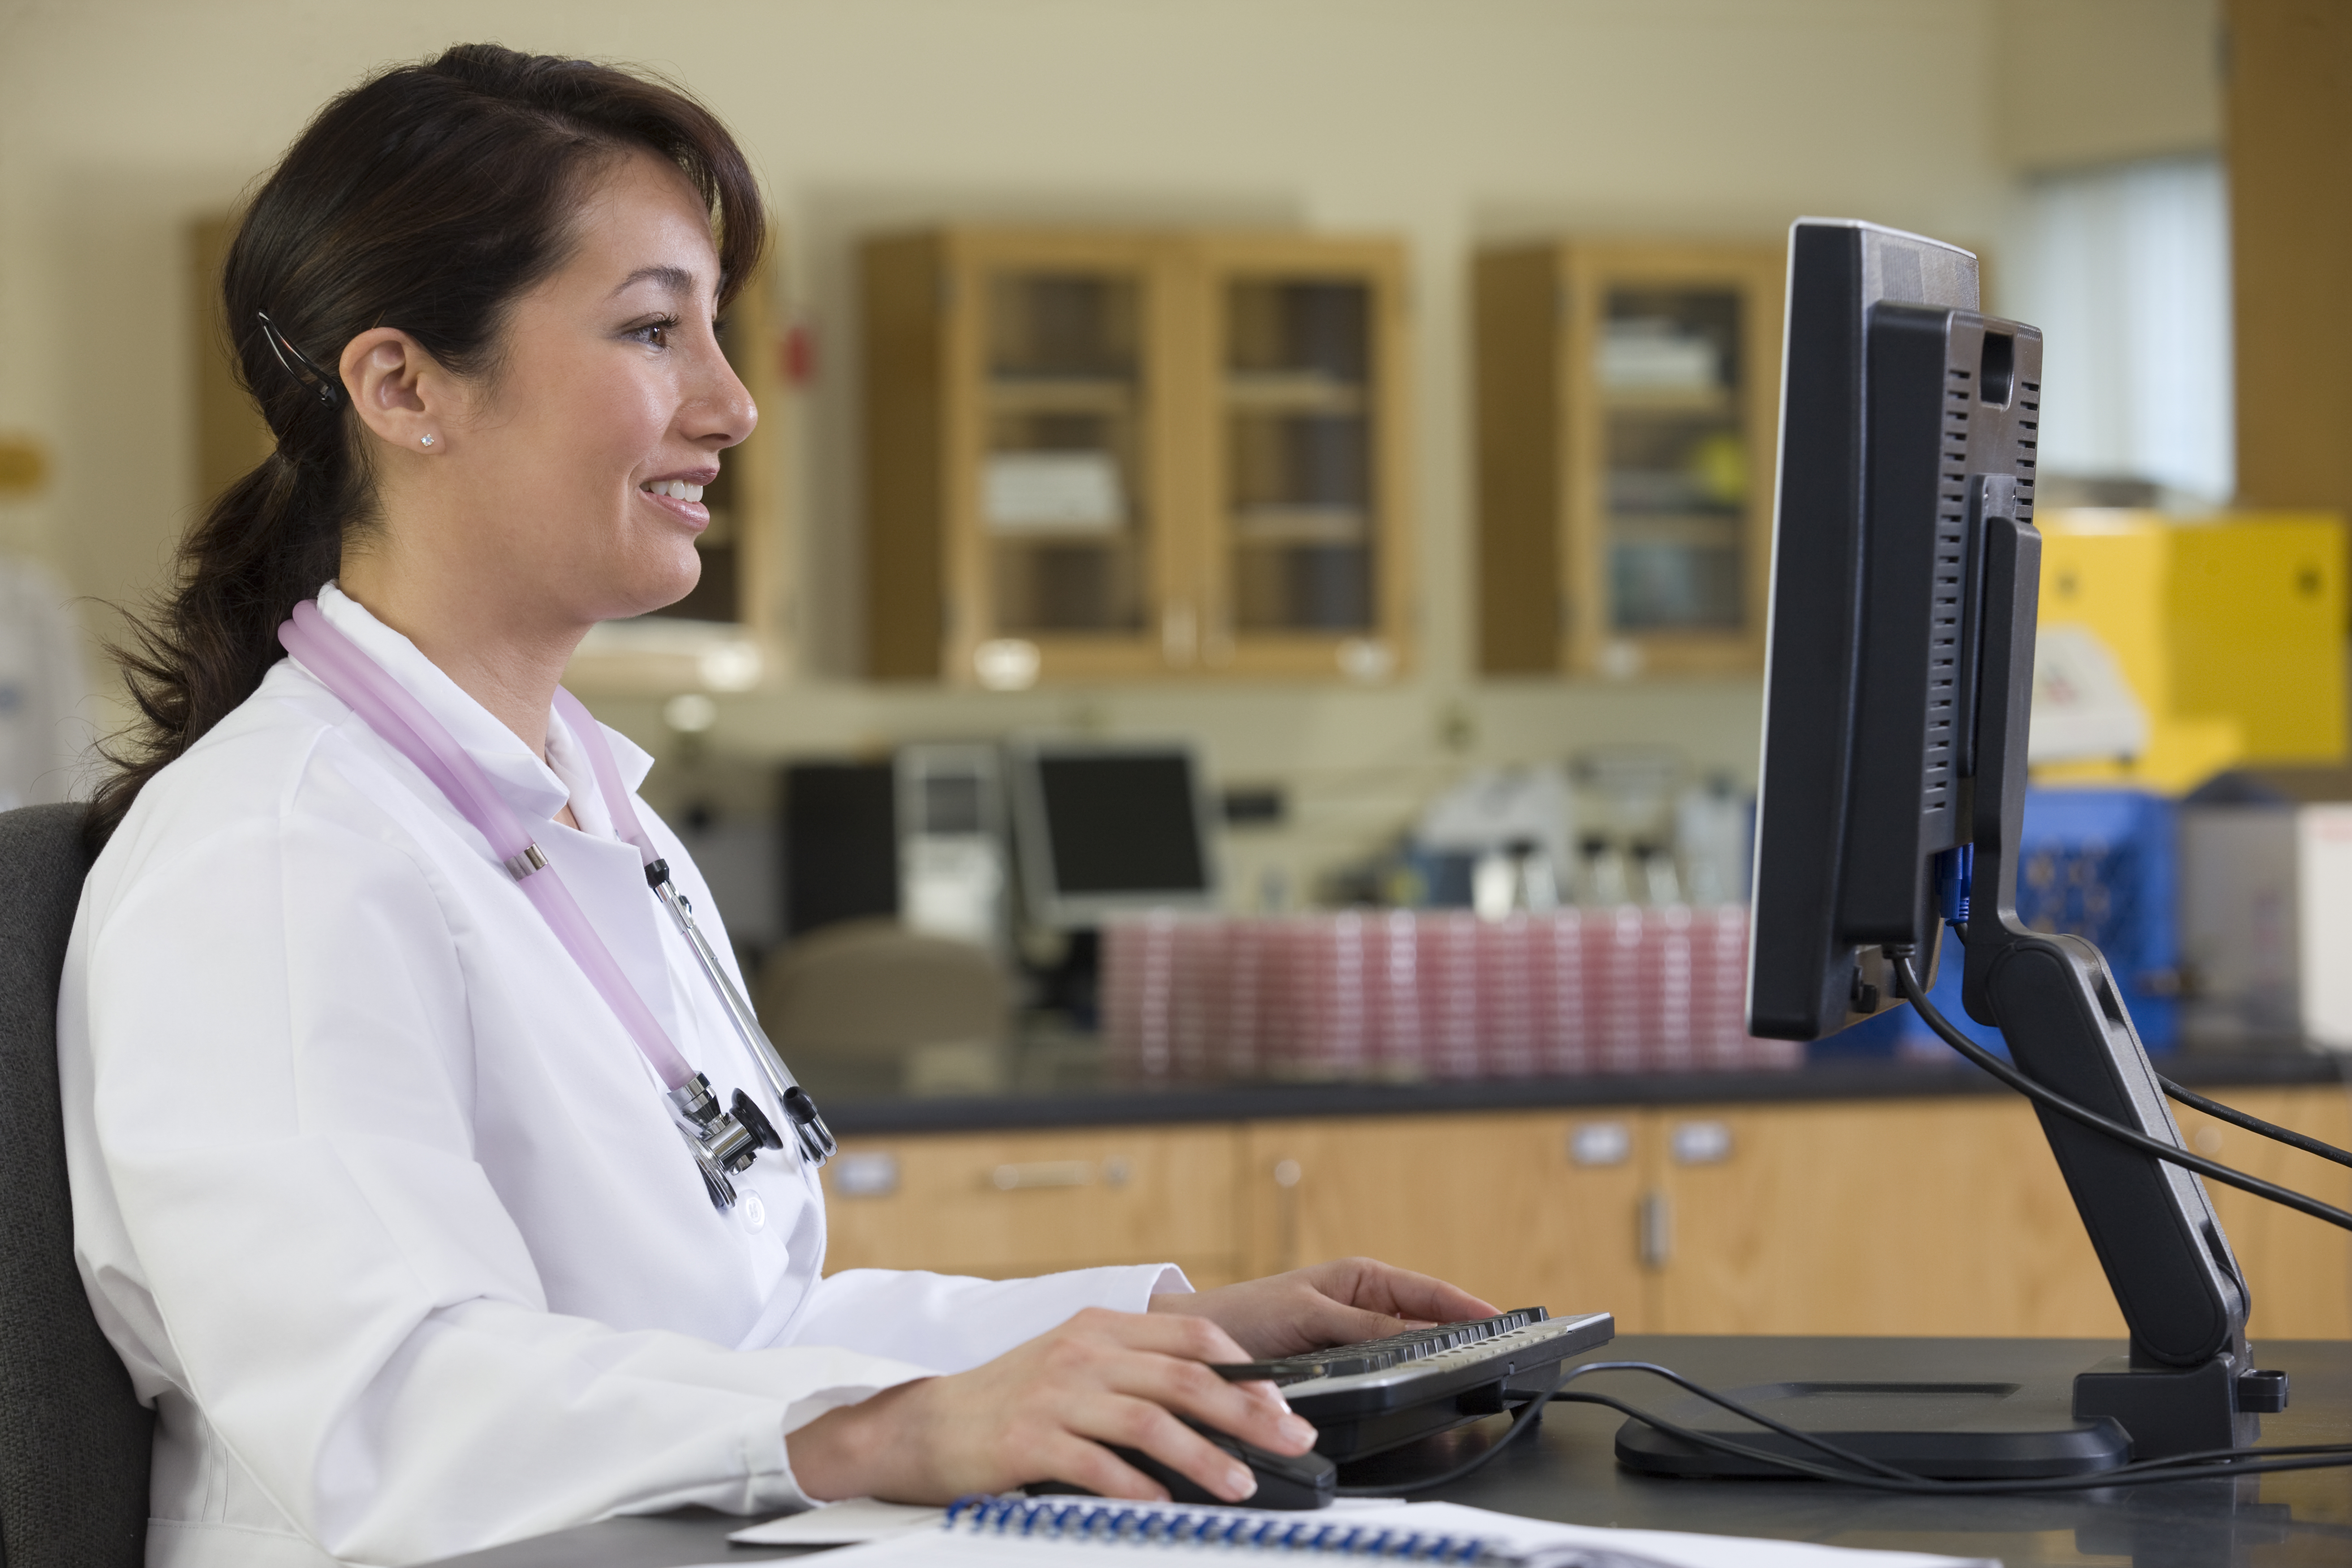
x=1833 y=1080
x=1566 y=1470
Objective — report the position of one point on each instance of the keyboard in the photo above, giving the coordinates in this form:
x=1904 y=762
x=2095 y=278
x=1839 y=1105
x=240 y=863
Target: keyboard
x=1378 y=1395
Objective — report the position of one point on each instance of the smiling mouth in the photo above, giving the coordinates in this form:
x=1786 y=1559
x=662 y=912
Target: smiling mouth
x=676 y=490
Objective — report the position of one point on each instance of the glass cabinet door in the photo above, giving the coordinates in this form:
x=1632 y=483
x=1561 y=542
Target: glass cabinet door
x=1304 y=478
x=1298 y=478
x=1064 y=495
x=1670 y=375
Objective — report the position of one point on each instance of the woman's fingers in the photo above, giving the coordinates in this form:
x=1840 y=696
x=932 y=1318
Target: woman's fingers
x=1147 y=1428
x=1191 y=1389
x=1397 y=1292
x=1077 y=1462
x=1192 y=1336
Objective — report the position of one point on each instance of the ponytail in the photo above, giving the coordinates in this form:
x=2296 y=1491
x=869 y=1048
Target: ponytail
x=426 y=198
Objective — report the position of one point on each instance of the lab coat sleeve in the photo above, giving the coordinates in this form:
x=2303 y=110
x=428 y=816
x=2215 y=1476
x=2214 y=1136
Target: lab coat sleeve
x=283 y=1107
x=959 y=1322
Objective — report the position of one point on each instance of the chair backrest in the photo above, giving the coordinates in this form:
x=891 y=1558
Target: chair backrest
x=850 y=1003
x=873 y=985
x=73 y=1442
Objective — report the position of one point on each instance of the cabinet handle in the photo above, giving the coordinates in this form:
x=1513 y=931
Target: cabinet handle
x=1701 y=1142
x=1287 y=1174
x=1179 y=633
x=865 y=1174
x=1657 y=1226
x=1601 y=1144
x=1041 y=1174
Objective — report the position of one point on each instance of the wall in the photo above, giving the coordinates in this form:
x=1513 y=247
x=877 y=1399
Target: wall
x=2098 y=81
x=1451 y=121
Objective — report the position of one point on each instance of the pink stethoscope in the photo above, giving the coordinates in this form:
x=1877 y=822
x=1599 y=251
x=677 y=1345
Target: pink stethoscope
x=724 y=1144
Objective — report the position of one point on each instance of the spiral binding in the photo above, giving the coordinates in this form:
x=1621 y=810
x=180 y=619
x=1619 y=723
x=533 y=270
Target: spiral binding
x=1106 y=1523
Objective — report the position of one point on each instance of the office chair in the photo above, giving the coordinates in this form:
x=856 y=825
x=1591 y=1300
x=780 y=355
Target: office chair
x=850 y=1005
x=73 y=1442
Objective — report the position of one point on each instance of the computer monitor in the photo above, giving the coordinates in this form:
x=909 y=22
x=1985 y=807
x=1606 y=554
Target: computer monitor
x=1100 y=828
x=1906 y=573
x=1891 y=441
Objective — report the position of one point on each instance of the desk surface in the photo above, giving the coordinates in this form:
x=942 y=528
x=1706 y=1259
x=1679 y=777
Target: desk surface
x=1566 y=1472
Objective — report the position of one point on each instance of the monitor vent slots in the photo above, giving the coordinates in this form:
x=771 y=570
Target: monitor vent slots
x=2028 y=441
x=1944 y=624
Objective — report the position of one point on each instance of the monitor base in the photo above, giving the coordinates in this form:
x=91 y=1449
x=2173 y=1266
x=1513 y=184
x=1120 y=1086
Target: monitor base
x=2181 y=1410
x=1951 y=1430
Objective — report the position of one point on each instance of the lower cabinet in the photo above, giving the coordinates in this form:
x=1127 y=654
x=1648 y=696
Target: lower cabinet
x=1913 y=1217
x=1522 y=1208
x=1007 y=1204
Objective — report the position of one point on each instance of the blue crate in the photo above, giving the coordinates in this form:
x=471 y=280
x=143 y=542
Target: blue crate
x=2102 y=865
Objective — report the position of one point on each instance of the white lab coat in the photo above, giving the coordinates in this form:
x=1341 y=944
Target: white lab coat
x=379 y=1200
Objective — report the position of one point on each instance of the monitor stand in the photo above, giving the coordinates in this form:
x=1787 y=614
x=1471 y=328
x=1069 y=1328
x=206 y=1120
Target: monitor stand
x=1954 y=1431
x=2188 y=1383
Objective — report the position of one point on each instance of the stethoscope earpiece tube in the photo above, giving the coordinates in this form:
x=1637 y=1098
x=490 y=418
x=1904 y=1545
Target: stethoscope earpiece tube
x=815 y=1138
x=722 y=1143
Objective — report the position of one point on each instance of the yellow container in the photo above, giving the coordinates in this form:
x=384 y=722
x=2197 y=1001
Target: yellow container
x=2230 y=629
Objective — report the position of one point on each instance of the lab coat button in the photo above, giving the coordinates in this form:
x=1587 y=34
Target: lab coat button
x=755 y=1213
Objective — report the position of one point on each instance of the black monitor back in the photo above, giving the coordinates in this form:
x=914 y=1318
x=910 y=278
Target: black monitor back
x=1894 y=391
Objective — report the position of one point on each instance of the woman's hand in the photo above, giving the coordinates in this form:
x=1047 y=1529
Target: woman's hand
x=1334 y=1303
x=1044 y=1410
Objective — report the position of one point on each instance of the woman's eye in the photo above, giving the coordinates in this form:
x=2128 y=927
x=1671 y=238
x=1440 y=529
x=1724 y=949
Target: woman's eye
x=654 y=334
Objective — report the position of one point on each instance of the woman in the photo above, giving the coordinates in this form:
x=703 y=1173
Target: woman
x=375 y=1192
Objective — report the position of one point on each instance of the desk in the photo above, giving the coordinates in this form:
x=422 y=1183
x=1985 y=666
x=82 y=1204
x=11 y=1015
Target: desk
x=1565 y=1472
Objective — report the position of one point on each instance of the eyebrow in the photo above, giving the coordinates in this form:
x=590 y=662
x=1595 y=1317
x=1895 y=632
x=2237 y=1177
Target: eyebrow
x=677 y=280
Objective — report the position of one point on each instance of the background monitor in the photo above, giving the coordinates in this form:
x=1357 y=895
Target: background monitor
x=1102 y=828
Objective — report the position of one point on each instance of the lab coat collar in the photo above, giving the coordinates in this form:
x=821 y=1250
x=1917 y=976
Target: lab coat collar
x=531 y=787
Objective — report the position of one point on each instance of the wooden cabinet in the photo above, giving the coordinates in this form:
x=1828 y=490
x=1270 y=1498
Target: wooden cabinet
x=1002 y=1205
x=1114 y=456
x=1627 y=401
x=2298 y=1270
x=1521 y=1208
x=1929 y=1217
x=1883 y=1217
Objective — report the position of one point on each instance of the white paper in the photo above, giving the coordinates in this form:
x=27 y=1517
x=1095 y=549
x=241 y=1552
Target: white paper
x=847 y=1523
x=1646 y=354
x=1664 y=1548
x=1052 y=492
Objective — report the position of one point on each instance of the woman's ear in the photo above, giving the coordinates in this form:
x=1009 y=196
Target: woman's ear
x=398 y=390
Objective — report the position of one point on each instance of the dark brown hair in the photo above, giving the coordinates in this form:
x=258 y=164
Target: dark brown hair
x=426 y=198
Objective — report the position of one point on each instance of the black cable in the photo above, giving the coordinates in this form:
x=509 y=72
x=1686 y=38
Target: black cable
x=2254 y=1124
x=1809 y=1439
x=1908 y=979
x=1527 y=1416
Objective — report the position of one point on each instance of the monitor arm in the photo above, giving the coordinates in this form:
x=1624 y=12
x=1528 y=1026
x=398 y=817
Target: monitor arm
x=2056 y=1003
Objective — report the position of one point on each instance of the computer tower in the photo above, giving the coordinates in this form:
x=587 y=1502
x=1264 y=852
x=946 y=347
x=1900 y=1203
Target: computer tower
x=952 y=850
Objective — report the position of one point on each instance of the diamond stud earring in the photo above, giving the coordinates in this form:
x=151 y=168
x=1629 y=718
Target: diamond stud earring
x=427 y=440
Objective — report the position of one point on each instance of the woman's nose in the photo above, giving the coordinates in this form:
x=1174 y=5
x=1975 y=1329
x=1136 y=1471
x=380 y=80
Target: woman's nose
x=721 y=405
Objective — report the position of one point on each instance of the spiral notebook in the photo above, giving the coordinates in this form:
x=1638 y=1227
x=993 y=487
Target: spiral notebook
x=1067 y=1533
